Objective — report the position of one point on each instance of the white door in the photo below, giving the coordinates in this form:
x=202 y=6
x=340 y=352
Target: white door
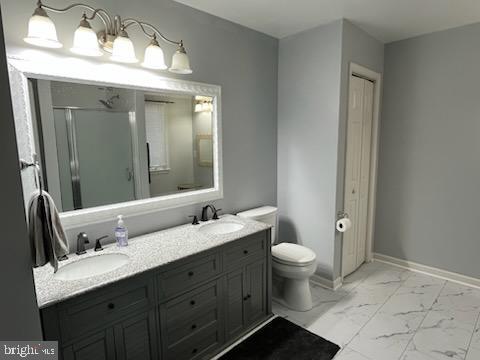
x=357 y=172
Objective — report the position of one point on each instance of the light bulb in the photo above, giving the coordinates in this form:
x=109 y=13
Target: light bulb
x=85 y=40
x=198 y=107
x=123 y=50
x=154 y=58
x=41 y=30
x=180 y=61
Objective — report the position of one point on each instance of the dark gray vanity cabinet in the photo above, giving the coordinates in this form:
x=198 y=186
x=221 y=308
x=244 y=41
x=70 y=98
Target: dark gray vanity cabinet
x=246 y=285
x=133 y=339
x=189 y=309
x=97 y=346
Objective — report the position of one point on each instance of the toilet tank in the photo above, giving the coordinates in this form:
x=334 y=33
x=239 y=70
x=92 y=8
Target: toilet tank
x=264 y=214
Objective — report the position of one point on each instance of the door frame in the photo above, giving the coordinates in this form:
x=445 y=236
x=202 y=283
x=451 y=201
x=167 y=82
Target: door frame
x=376 y=78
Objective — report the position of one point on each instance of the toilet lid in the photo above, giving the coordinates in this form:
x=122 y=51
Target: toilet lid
x=293 y=254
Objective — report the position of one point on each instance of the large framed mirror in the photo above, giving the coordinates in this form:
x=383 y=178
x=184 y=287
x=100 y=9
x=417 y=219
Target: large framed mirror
x=107 y=147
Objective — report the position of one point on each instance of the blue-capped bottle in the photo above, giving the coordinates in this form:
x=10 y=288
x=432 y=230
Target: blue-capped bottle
x=121 y=232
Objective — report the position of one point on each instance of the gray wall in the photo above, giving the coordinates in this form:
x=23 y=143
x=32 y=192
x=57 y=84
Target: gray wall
x=429 y=174
x=312 y=111
x=18 y=311
x=308 y=113
x=242 y=61
x=362 y=49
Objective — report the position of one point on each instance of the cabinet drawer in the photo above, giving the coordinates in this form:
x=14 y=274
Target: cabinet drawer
x=245 y=250
x=186 y=276
x=196 y=324
x=97 y=311
x=180 y=310
x=197 y=345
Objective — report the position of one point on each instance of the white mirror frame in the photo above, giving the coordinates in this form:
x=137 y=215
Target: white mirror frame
x=87 y=72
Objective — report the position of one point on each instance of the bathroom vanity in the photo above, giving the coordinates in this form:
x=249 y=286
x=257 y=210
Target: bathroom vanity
x=184 y=294
x=181 y=293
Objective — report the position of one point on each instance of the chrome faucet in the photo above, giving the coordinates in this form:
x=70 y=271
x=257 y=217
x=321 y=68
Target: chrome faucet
x=205 y=212
x=82 y=239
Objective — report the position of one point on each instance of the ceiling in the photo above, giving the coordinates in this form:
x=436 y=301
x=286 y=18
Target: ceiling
x=386 y=20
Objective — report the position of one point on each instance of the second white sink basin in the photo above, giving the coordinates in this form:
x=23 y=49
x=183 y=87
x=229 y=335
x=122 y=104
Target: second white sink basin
x=91 y=266
x=220 y=228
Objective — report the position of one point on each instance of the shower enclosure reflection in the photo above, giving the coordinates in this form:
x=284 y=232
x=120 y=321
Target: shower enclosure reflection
x=103 y=145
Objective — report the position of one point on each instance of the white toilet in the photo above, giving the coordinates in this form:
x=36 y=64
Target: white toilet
x=295 y=264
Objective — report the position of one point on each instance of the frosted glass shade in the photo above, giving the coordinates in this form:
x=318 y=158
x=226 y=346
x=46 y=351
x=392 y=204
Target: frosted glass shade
x=85 y=41
x=123 y=50
x=154 y=58
x=198 y=107
x=41 y=31
x=180 y=62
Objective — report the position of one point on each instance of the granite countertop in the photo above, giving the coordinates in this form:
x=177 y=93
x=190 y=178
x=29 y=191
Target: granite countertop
x=146 y=252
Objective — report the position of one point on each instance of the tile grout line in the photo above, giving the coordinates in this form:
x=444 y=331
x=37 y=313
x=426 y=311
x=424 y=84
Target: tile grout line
x=423 y=320
x=376 y=312
x=473 y=334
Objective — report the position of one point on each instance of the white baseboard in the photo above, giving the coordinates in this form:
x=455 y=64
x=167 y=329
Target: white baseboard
x=326 y=283
x=428 y=270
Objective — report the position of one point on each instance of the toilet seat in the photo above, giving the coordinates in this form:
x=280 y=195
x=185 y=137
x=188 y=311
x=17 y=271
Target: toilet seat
x=292 y=254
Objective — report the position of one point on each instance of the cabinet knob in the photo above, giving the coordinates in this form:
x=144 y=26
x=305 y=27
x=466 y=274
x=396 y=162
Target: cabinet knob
x=194 y=326
x=190 y=273
x=247 y=297
x=245 y=252
x=194 y=351
x=192 y=302
x=111 y=306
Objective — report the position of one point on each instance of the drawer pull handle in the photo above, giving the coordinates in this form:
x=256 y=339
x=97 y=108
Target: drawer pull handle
x=111 y=306
x=245 y=252
x=194 y=326
x=190 y=273
x=192 y=302
x=194 y=351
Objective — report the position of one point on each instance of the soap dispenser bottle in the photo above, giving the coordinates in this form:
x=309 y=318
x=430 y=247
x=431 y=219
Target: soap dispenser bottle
x=121 y=232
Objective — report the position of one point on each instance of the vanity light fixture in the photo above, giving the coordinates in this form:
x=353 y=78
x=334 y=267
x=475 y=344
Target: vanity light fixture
x=154 y=58
x=113 y=38
x=198 y=107
x=85 y=40
x=123 y=50
x=41 y=30
x=203 y=104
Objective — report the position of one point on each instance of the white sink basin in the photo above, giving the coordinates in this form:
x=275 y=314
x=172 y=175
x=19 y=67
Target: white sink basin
x=91 y=266
x=219 y=228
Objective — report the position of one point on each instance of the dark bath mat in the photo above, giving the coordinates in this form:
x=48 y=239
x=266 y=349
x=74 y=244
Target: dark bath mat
x=283 y=340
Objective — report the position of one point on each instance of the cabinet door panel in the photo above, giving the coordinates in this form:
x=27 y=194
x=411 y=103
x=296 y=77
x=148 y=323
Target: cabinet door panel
x=136 y=337
x=255 y=305
x=234 y=317
x=100 y=346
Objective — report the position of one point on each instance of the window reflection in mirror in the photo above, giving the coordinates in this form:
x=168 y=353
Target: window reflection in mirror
x=102 y=145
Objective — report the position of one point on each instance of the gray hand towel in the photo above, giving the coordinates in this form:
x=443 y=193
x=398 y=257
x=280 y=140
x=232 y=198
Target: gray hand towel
x=47 y=238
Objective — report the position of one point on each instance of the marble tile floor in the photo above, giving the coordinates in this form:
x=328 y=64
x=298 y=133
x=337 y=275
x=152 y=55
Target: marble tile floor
x=387 y=313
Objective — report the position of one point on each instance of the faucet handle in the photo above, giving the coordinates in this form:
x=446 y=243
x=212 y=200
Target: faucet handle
x=215 y=215
x=195 y=219
x=98 y=245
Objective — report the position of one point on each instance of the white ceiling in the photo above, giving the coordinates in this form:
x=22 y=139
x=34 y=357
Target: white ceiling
x=387 y=20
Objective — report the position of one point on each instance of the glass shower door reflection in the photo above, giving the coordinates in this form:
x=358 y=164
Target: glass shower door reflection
x=100 y=157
